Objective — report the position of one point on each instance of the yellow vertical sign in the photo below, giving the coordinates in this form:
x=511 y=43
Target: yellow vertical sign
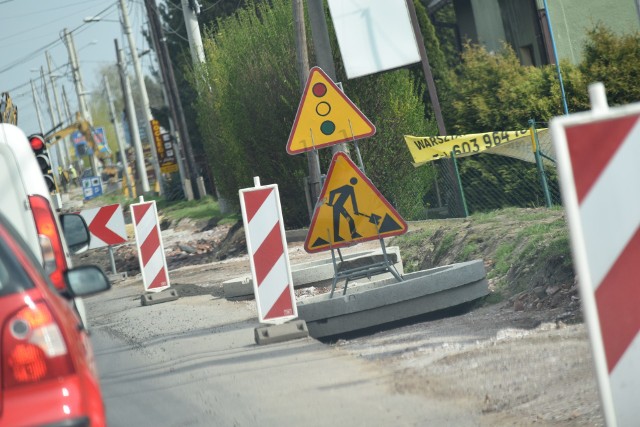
x=351 y=210
x=326 y=116
x=164 y=149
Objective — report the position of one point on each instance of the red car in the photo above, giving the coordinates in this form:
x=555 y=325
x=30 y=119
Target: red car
x=48 y=371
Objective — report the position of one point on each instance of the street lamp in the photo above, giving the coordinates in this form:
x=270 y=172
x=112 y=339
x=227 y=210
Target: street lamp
x=91 y=43
x=88 y=19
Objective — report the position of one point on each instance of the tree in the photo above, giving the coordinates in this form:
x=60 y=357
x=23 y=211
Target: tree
x=247 y=114
x=172 y=17
x=246 y=117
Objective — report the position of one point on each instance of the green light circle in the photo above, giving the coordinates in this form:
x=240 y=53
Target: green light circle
x=327 y=127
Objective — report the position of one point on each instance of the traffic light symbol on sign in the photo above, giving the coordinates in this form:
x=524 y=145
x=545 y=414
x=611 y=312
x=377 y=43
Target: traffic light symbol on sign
x=44 y=162
x=325 y=116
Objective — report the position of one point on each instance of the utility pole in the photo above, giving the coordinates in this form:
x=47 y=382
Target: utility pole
x=447 y=164
x=190 y=11
x=48 y=99
x=193 y=30
x=82 y=102
x=426 y=68
x=133 y=121
x=37 y=104
x=175 y=104
x=65 y=103
x=77 y=77
x=60 y=145
x=53 y=125
x=177 y=148
x=119 y=137
x=302 y=57
x=144 y=97
x=67 y=112
x=322 y=47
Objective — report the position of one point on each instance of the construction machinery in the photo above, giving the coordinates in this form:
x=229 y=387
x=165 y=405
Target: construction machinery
x=99 y=148
x=8 y=111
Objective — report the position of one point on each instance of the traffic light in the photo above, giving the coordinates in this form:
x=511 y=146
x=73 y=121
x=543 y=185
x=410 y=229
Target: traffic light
x=42 y=156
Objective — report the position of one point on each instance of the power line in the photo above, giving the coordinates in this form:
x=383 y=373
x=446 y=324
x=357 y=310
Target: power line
x=210 y=7
x=47 y=46
x=29 y=81
x=40 y=11
x=29 y=55
x=21 y=34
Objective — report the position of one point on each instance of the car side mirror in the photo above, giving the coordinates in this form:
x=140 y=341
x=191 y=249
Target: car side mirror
x=86 y=280
x=76 y=232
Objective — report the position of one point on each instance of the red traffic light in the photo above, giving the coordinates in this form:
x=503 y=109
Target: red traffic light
x=37 y=142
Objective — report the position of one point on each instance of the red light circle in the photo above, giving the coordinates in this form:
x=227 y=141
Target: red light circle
x=37 y=143
x=319 y=89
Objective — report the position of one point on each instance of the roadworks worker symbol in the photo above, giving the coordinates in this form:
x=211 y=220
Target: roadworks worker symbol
x=350 y=210
x=325 y=117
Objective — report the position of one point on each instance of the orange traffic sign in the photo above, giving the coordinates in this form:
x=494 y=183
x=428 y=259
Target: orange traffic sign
x=351 y=210
x=325 y=117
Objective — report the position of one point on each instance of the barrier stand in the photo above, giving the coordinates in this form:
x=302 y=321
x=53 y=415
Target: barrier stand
x=115 y=276
x=365 y=270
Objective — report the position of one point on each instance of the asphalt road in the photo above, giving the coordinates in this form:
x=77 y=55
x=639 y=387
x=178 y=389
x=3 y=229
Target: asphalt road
x=194 y=362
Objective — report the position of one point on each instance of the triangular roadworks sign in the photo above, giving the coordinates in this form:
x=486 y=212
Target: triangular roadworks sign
x=325 y=117
x=351 y=210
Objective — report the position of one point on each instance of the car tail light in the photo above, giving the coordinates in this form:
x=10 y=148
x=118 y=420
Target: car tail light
x=33 y=346
x=55 y=262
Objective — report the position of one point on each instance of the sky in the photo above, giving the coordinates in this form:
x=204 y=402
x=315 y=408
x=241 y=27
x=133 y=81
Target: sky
x=28 y=28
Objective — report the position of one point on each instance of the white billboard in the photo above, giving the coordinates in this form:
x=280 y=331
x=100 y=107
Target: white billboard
x=373 y=35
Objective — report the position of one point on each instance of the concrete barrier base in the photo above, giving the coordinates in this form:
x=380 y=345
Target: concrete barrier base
x=383 y=301
x=292 y=330
x=117 y=277
x=308 y=273
x=159 y=297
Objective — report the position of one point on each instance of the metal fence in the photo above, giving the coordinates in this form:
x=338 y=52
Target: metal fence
x=510 y=175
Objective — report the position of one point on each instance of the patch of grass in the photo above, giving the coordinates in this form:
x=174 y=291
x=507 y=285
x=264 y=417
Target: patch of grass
x=485 y=217
x=413 y=238
x=411 y=266
x=536 y=229
x=445 y=244
x=230 y=219
x=110 y=199
x=559 y=247
x=529 y=215
x=194 y=209
x=502 y=259
x=468 y=252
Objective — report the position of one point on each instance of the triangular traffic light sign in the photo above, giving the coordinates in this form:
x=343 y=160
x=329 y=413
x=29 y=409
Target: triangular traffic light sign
x=326 y=116
x=351 y=210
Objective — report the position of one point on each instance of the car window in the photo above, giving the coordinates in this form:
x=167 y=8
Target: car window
x=13 y=278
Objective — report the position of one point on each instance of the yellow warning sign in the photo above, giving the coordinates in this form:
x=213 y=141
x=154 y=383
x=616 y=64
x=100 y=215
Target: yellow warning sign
x=350 y=210
x=325 y=117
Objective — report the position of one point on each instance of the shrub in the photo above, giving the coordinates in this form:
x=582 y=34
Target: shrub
x=613 y=60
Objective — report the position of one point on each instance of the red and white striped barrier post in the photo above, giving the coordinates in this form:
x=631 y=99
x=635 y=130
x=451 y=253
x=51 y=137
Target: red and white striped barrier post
x=598 y=154
x=153 y=263
x=106 y=227
x=267 y=247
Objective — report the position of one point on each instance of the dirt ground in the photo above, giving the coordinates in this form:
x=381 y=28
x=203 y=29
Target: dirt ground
x=514 y=366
